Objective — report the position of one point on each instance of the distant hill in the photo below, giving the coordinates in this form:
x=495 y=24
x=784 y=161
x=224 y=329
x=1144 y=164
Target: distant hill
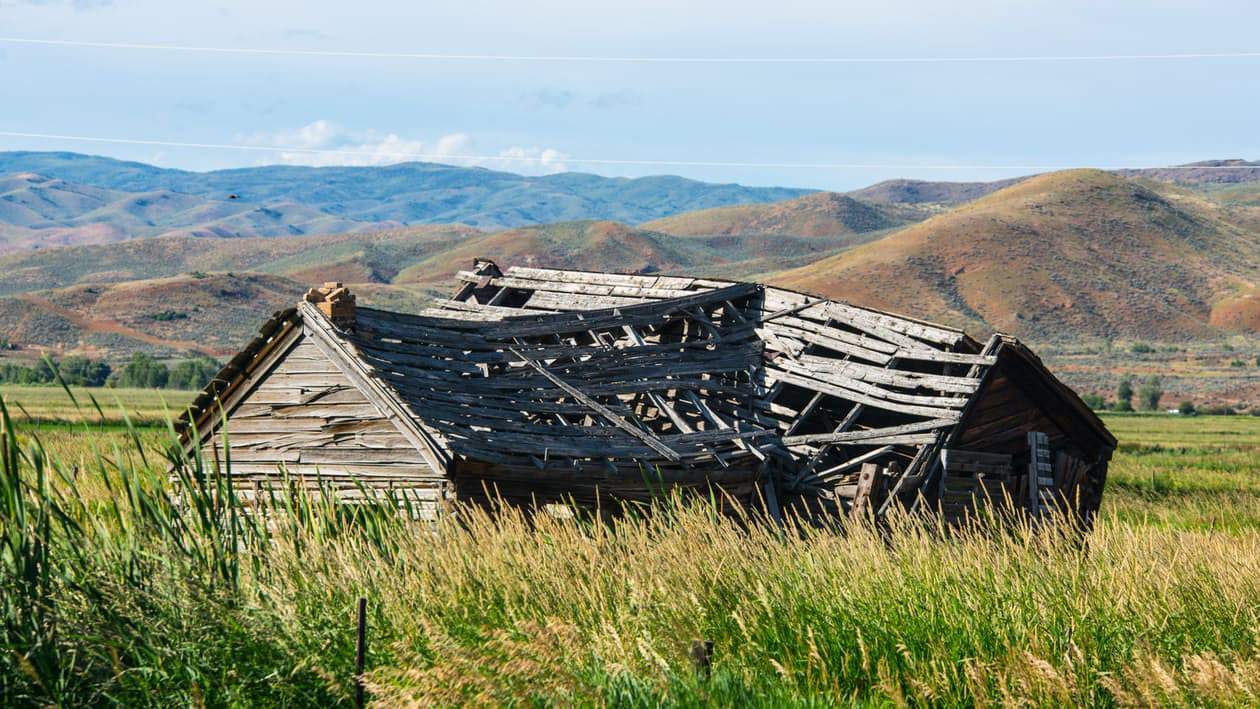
x=168 y=317
x=925 y=192
x=40 y=212
x=820 y=214
x=109 y=299
x=1055 y=257
x=359 y=257
x=612 y=246
x=586 y=245
x=1203 y=174
x=281 y=200
x=1208 y=173
x=212 y=314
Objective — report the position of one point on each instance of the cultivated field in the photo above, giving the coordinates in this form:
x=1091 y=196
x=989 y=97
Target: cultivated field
x=112 y=594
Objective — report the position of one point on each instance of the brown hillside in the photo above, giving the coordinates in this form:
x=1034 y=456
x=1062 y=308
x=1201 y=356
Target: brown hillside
x=927 y=192
x=214 y=314
x=1238 y=312
x=1073 y=253
x=821 y=214
x=352 y=258
x=583 y=245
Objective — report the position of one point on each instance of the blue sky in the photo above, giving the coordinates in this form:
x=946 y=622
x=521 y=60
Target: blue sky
x=905 y=116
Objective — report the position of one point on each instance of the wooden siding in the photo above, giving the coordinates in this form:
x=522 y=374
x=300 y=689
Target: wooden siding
x=305 y=418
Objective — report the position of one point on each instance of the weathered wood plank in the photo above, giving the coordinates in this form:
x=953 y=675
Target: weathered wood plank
x=652 y=441
x=871 y=434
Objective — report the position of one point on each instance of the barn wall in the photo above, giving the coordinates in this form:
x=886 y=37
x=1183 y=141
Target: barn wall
x=1001 y=418
x=1016 y=399
x=1013 y=402
x=308 y=416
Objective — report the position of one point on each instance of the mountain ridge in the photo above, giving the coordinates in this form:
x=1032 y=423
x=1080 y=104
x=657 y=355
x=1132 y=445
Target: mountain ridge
x=407 y=193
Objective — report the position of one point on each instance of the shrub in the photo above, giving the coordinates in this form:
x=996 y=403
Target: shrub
x=1094 y=401
x=1124 y=394
x=168 y=315
x=41 y=373
x=193 y=373
x=1151 y=392
x=81 y=371
x=1186 y=408
x=143 y=372
x=1141 y=348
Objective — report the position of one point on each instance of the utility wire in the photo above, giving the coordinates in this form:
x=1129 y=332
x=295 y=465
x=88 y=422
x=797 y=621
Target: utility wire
x=408 y=155
x=431 y=56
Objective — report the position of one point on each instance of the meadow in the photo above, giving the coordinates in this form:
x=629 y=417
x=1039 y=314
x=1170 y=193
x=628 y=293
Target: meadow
x=115 y=593
x=53 y=405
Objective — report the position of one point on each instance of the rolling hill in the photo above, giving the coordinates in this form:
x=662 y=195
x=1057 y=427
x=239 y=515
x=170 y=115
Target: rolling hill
x=612 y=246
x=820 y=214
x=41 y=212
x=357 y=257
x=1054 y=257
x=167 y=317
x=101 y=298
x=1206 y=173
x=314 y=199
x=924 y=192
x=213 y=314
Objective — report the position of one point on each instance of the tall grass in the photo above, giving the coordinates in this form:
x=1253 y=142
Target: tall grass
x=122 y=584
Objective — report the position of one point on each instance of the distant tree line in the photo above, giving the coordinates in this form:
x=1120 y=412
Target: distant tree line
x=1148 y=394
x=142 y=371
x=73 y=370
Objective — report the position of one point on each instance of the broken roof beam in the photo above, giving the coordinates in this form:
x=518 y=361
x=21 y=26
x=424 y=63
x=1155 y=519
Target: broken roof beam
x=778 y=298
x=874 y=436
x=648 y=439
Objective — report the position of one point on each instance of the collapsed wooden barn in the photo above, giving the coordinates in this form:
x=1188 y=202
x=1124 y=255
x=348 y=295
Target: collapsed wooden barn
x=539 y=386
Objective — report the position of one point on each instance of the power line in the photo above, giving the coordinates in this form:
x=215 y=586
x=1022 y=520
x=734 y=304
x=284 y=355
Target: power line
x=409 y=155
x=433 y=56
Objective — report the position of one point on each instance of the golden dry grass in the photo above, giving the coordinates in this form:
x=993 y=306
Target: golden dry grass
x=498 y=610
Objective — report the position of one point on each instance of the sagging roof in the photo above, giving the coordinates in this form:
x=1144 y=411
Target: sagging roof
x=601 y=375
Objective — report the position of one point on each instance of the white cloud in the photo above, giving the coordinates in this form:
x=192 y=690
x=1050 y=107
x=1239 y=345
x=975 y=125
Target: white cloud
x=530 y=160
x=323 y=142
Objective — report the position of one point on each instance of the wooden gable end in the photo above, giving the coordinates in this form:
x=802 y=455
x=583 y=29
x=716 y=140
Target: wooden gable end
x=306 y=415
x=1017 y=399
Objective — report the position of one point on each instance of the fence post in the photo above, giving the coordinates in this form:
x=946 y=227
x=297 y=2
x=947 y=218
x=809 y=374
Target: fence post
x=360 y=653
x=702 y=656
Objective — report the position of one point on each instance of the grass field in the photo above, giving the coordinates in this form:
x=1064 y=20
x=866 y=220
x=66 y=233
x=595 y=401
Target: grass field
x=112 y=594
x=52 y=404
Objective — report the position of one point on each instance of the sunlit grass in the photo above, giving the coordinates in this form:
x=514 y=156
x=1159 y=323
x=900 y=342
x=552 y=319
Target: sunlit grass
x=51 y=404
x=146 y=593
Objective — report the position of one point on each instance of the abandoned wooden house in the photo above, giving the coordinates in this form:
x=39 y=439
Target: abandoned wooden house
x=538 y=386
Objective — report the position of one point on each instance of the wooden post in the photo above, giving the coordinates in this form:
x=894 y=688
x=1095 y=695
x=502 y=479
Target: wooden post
x=702 y=657
x=360 y=654
x=1040 y=474
x=868 y=478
